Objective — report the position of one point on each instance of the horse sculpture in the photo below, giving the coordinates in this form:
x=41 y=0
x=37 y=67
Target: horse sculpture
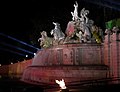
x=45 y=41
x=57 y=32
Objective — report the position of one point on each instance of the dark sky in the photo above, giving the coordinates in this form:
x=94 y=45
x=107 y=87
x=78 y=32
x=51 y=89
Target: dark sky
x=24 y=19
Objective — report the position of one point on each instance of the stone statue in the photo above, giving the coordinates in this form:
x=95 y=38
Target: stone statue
x=75 y=13
x=79 y=30
x=83 y=15
x=72 y=25
x=80 y=36
x=45 y=41
x=115 y=29
x=108 y=31
x=96 y=34
x=57 y=32
x=85 y=25
x=70 y=32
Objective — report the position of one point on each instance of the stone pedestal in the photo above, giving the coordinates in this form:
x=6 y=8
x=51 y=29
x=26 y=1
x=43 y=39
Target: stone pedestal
x=70 y=54
x=71 y=62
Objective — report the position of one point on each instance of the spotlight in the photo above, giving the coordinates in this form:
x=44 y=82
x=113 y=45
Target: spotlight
x=16 y=48
x=19 y=41
x=34 y=54
x=104 y=4
x=26 y=56
x=11 y=63
x=12 y=51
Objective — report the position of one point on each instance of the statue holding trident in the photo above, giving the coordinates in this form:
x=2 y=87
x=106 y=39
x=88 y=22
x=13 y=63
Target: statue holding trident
x=75 y=13
x=71 y=26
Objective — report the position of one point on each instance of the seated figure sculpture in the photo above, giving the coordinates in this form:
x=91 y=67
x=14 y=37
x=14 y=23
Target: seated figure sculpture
x=80 y=36
x=96 y=34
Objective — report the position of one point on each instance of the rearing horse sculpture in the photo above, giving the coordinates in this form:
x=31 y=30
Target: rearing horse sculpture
x=57 y=32
x=45 y=41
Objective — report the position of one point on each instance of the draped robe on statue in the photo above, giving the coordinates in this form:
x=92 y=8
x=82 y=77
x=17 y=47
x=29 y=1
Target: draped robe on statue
x=70 y=28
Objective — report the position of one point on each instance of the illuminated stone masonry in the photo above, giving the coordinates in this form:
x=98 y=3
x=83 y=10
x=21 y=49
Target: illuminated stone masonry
x=82 y=54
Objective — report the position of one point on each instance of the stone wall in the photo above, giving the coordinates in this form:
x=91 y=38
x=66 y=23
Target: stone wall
x=71 y=62
x=71 y=74
x=112 y=54
x=70 y=54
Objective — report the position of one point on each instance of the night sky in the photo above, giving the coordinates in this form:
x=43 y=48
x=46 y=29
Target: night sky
x=25 y=19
